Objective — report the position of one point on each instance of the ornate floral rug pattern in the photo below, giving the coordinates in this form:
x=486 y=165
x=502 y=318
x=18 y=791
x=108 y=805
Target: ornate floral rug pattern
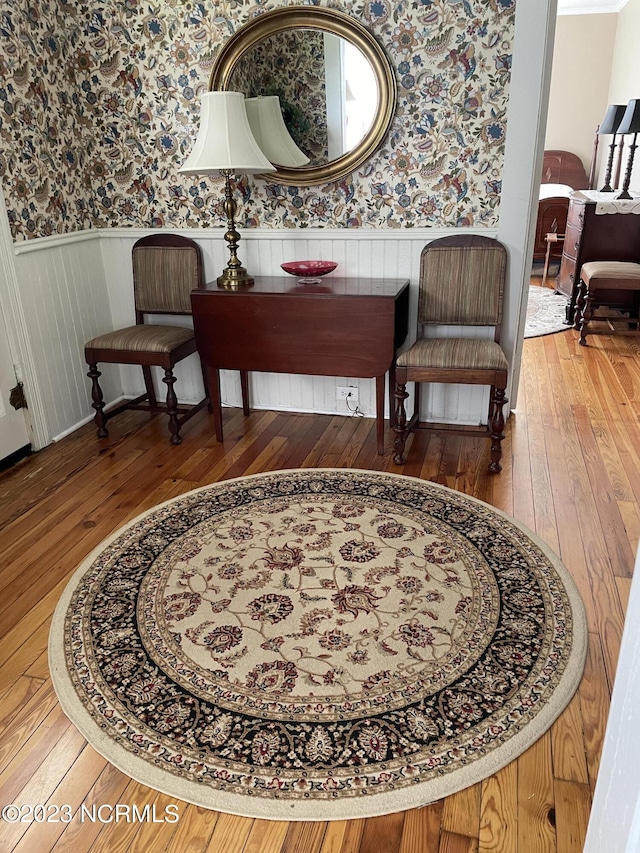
x=317 y=644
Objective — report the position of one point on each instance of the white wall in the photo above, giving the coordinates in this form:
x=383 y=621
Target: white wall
x=625 y=72
x=578 y=98
x=614 y=825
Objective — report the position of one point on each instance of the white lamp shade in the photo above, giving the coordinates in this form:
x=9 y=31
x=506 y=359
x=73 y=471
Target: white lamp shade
x=270 y=131
x=224 y=140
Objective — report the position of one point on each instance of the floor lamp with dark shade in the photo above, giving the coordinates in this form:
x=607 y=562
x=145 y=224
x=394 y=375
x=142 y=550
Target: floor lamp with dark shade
x=225 y=145
x=630 y=124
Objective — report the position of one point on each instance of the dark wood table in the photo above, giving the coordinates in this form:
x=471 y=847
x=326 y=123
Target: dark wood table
x=347 y=327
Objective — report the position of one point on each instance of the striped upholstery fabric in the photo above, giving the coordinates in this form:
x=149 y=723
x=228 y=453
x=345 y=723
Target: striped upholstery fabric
x=611 y=269
x=454 y=354
x=143 y=338
x=462 y=284
x=163 y=278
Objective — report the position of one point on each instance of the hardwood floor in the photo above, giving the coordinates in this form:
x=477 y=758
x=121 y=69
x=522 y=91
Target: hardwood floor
x=571 y=473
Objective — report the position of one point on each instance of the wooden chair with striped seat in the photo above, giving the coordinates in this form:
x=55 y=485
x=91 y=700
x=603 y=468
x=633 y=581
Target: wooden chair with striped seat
x=461 y=284
x=166 y=268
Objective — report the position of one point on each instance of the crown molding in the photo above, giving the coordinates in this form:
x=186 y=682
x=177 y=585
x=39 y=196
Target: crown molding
x=590 y=7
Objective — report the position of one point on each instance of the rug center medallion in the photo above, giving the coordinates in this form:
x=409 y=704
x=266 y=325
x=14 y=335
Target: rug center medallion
x=312 y=607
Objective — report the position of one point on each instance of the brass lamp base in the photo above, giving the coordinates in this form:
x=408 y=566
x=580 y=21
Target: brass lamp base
x=235 y=279
x=234 y=276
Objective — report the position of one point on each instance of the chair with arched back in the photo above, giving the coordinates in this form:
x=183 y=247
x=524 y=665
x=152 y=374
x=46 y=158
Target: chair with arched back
x=166 y=268
x=462 y=282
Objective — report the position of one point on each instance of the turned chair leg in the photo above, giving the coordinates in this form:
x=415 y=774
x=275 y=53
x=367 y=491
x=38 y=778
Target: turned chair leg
x=579 y=306
x=496 y=428
x=172 y=407
x=585 y=316
x=400 y=424
x=97 y=401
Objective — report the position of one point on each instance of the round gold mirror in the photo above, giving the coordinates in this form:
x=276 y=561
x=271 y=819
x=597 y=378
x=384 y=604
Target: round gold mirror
x=335 y=86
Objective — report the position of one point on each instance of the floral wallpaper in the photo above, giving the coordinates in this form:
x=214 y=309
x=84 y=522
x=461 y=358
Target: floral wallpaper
x=99 y=107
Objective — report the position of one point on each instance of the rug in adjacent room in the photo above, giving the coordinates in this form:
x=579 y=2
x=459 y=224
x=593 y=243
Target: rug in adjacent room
x=317 y=644
x=546 y=312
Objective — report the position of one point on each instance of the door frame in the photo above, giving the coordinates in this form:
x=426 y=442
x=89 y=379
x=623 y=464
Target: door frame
x=524 y=148
x=17 y=332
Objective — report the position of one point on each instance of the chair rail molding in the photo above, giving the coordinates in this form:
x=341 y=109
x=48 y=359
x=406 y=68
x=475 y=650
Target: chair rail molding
x=287 y=235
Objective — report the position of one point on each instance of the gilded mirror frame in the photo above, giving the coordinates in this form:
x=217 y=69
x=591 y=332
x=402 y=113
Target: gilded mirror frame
x=341 y=25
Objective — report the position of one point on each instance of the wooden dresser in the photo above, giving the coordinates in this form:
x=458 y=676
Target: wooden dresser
x=592 y=236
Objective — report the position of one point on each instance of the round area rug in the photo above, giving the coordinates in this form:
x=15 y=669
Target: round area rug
x=546 y=312
x=317 y=644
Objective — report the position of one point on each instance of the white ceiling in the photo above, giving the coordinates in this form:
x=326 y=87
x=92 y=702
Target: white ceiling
x=587 y=7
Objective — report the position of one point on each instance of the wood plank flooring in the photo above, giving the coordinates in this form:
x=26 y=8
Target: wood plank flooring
x=571 y=473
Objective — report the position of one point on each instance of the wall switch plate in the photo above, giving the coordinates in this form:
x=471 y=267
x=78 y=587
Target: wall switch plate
x=347 y=392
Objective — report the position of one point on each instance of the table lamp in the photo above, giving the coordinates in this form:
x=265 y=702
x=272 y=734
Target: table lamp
x=630 y=124
x=610 y=124
x=225 y=145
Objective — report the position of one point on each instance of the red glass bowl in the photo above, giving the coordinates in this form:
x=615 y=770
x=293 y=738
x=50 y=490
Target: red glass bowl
x=309 y=271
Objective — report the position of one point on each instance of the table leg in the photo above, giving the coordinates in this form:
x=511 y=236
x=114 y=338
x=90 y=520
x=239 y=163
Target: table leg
x=380 y=413
x=244 y=385
x=392 y=393
x=545 y=271
x=213 y=381
x=552 y=237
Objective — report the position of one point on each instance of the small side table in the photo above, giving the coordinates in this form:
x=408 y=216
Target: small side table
x=550 y=238
x=339 y=327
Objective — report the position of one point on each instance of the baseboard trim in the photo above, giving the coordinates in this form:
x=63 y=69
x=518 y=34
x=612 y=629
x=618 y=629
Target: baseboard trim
x=15 y=457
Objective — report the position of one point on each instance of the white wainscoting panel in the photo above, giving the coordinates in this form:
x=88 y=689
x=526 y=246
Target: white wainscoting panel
x=65 y=299
x=77 y=286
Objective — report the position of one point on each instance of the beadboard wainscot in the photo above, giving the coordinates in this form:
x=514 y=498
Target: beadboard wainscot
x=65 y=301
x=76 y=286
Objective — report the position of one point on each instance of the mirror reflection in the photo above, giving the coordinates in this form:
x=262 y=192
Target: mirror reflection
x=335 y=86
x=327 y=89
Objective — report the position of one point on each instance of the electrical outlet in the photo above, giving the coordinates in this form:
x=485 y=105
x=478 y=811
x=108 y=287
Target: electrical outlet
x=347 y=392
